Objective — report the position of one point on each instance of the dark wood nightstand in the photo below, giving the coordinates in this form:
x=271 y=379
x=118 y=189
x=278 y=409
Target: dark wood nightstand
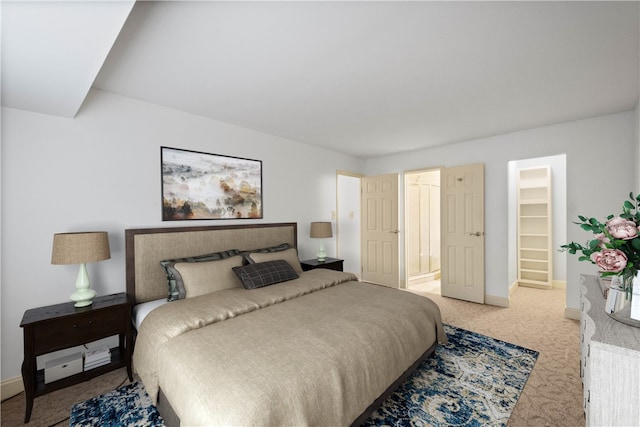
x=60 y=326
x=329 y=263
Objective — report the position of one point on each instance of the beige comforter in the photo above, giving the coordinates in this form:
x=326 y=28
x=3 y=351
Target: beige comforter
x=317 y=350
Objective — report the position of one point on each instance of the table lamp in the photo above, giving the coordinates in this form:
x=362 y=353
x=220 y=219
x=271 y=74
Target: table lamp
x=80 y=248
x=320 y=230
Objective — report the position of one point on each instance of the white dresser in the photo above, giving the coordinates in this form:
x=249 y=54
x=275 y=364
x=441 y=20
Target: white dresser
x=610 y=362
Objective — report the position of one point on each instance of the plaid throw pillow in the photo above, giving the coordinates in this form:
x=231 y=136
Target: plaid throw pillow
x=266 y=273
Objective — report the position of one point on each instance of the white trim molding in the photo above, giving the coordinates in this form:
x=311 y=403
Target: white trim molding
x=497 y=301
x=11 y=387
x=514 y=287
x=571 y=313
x=560 y=284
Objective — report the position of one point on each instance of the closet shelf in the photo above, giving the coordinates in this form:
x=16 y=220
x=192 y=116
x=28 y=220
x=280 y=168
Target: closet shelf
x=532 y=270
x=535 y=283
x=533 y=202
x=533 y=260
x=534 y=227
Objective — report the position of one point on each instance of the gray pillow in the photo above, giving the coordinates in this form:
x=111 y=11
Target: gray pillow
x=174 y=279
x=278 y=248
x=270 y=249
x=267 y=273
x=290 y=255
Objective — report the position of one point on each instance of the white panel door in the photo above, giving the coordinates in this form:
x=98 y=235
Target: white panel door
x=462 y=269
x=380 y=230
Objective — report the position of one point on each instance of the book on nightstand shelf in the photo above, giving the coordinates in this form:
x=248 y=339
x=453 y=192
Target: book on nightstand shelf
x=97 y=357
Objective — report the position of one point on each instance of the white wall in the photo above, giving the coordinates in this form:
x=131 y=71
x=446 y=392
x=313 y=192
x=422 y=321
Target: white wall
x=637 y=148
x=348 y=223
x=558 y=166
x=600 y=174
x=101 y=171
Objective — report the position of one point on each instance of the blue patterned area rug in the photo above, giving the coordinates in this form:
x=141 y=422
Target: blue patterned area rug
x=474 y=380
x=129 y=405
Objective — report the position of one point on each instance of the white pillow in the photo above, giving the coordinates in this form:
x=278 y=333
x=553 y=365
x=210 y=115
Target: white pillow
x=201 y=278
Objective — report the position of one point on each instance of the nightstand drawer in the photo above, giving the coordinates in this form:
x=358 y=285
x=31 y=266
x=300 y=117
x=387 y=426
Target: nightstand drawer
x=329 y=263
x=80 y=329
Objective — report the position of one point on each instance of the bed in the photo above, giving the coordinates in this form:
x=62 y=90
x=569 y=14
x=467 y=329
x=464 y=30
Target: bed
x=248 y=338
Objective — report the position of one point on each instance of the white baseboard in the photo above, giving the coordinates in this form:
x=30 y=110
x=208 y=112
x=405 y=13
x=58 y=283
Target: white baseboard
x=560 y=284
x=11 y=387
x=512 y=288
x=497 y=301
x=571 y=313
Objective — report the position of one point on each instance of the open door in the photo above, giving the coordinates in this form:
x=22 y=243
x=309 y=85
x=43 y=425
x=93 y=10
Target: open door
x=462 y=191
x=380 y=230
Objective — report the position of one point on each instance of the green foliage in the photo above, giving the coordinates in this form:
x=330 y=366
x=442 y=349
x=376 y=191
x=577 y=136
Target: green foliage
x=606 y=241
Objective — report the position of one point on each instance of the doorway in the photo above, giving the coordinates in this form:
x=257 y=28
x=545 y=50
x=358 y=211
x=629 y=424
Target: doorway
x=367 y=226
x=348 y=221
x=558 y=201
x=459 y=233
x=422 y=222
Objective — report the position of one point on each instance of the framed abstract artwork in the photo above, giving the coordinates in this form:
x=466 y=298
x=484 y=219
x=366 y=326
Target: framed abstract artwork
x=198 y=185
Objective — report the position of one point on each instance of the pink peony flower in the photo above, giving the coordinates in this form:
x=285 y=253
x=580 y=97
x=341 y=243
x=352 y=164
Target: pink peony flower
x=613 y=260
x=621 y=228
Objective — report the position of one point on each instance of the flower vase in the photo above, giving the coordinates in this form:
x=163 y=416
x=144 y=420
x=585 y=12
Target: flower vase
x=623 y=300
x=635 y=299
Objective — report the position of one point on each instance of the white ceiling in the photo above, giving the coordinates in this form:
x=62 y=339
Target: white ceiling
x=363 y=78
x=52 y=51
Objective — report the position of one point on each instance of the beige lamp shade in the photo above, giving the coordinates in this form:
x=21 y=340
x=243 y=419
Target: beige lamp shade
x=78 y=248
x=320 y=230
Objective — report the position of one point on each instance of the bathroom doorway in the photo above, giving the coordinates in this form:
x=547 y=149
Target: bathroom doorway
x=422 y=222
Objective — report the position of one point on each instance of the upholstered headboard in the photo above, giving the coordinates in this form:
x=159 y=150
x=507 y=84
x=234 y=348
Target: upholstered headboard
x=146 y=247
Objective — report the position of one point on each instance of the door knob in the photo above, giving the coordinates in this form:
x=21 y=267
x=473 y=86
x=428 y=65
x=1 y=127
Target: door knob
x=394 y=231
x=477 y=234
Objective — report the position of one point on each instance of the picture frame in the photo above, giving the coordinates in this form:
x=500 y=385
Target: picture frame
x=202 y=186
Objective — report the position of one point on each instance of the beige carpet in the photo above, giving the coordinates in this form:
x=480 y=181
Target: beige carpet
x=552 y=396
